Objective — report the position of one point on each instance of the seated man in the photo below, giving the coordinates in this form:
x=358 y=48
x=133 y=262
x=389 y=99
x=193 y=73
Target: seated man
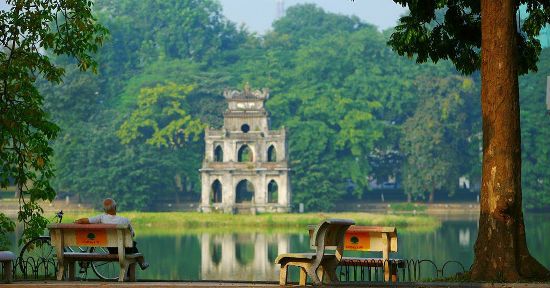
x=110 y=217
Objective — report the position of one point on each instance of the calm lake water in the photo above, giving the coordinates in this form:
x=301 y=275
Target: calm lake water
x=250 y=256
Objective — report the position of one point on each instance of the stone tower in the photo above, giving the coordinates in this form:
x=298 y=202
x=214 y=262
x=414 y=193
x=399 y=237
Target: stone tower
x=245 y=166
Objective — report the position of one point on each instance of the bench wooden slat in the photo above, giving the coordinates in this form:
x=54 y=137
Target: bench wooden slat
x=371 y=262
x=6 y=258
x=295 y=255
x=308 y=256
x=90 y=226
x=97 y=256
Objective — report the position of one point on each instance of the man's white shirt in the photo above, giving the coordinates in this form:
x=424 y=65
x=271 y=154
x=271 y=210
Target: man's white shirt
x=111 y=219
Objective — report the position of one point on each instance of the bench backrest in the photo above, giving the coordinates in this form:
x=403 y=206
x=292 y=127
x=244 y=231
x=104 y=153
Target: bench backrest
x=91 y=235
x=329 y=234
x=365 y=238
x=371 y=238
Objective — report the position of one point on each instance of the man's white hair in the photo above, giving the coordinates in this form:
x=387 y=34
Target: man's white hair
x=109 y=204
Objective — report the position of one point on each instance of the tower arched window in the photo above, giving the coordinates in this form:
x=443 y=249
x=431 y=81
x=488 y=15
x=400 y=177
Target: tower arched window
x=218 y=154
x=245 y=154
x=271 y=154
x=245 y=191
x=216 y=192
x=272 y=192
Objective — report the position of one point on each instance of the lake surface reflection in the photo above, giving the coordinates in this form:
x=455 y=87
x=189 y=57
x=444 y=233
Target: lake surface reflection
x=250 y=256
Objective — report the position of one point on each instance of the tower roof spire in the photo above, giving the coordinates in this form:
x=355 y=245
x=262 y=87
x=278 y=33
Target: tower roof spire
x=247 y=93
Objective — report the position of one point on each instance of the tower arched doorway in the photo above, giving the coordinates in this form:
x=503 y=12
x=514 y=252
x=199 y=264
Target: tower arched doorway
x=272 y=192
x=216 y=192
x=244 y=192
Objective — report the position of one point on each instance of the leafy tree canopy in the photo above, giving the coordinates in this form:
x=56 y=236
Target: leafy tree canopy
x=340 y=91
x=31 y=32
x=440 y=30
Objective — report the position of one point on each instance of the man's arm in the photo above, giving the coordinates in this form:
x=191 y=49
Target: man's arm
x=91 y=220
x=82 y=221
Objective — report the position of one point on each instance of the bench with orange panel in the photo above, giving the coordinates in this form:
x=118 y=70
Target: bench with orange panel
x=93 y=235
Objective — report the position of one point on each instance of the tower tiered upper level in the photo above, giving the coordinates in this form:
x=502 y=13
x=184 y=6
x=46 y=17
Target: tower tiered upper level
x=245 y=164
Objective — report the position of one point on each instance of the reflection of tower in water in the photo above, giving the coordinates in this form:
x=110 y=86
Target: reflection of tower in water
x=241 y=256
x=464 y=237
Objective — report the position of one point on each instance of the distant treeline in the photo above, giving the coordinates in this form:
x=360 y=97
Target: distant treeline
x=355 y=111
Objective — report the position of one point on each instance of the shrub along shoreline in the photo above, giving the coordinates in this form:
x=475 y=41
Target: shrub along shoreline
x=149 y=223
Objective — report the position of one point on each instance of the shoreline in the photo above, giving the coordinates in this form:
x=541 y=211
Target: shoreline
x=190 y=222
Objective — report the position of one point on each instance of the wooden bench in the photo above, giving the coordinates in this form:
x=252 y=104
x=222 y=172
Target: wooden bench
x=319 y=266
x=372 y=239
x=6 y=258
x=93 y=235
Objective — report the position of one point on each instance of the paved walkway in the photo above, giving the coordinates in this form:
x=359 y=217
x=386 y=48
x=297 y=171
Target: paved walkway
x=202 y=284
x=90 y=284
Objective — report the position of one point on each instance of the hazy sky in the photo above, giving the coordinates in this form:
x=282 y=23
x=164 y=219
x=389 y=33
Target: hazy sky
x=258 y=15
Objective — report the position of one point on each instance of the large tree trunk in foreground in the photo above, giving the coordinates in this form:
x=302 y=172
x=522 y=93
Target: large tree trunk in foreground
x=501 y=252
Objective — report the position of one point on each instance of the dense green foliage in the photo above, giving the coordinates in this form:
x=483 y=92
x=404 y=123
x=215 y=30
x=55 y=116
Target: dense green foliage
x=535 y=136
x=349 y=103
x=436 y=135
x=27 y=30
x=441 y=30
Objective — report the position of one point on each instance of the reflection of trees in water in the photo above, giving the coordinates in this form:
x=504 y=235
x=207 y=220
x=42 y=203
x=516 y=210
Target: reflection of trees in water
x=177 y=257
x=172 y=257
x=454 y=240
x=216 y=252
x=272 y=252
x=536 y=228
x=244 y=253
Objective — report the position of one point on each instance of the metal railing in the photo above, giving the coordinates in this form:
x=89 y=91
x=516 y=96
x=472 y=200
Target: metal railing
x=368 y=270
x=407 y=270
x=34 y=269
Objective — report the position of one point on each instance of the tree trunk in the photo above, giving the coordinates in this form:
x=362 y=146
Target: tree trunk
x=431 y=197
x=501 y=252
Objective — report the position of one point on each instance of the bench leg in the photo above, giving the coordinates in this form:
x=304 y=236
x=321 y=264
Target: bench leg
x=283 y=274
x=321 y=273
x=329 y=270
x=393 y=268
x=314 y=276
x=72 y=270
x=123 y=270
x=303 y=276
x=132 y=272
x=60 y=270
x=7 y=267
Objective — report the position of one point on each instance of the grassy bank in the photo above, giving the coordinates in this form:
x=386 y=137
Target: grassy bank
x=193 y=222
